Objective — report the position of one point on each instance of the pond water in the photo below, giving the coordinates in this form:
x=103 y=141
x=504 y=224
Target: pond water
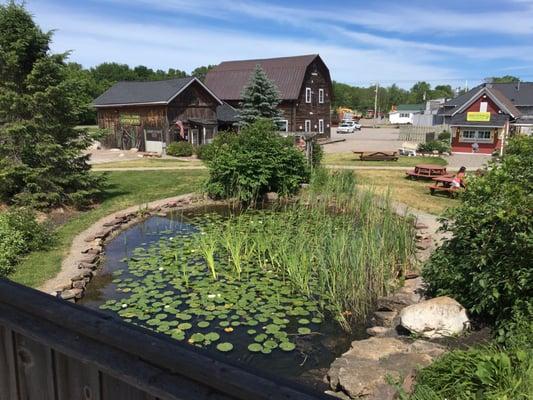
x=154 y=275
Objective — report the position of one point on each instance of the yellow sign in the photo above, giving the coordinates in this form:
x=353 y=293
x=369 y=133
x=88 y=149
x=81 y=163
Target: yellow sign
x=478 y=116
x=130 y=119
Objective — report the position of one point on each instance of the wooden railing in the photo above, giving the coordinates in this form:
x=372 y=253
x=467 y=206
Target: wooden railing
x=54 y=350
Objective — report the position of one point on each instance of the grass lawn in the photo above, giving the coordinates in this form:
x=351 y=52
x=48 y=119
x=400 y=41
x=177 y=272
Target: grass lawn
x=126 y=188
x=352 y=159
x=413 y=193
x=147 y=163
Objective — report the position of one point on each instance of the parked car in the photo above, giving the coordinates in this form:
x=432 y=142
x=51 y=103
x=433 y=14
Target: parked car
x=349 y=127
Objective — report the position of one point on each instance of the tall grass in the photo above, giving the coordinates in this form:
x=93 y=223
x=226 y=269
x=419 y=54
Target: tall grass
x=340 y=245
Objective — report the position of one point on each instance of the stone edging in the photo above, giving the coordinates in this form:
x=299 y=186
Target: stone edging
x=87 y=248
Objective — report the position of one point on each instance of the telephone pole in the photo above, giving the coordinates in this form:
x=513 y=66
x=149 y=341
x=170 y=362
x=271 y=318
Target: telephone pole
x=376 y=103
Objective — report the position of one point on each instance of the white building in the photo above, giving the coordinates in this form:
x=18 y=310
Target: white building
x=404 y=113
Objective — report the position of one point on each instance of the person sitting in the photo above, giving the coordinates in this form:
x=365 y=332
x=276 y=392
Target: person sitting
x=458 y=180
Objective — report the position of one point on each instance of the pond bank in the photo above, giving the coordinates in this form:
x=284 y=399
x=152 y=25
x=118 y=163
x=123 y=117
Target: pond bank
x=79 y=266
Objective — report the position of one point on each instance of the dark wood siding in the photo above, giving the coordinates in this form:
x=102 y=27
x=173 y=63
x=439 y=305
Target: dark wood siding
x=316 y=79
x=194 y=102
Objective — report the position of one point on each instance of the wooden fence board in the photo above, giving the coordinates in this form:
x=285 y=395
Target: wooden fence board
x=146 y=365
x=8 y=381
x=35 y=369
x=116 y=389
x=76 y=379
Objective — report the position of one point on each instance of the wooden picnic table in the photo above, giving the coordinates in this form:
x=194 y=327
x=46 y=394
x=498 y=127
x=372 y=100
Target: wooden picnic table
x=377 y=155
x=427 y=171
x=444 y=184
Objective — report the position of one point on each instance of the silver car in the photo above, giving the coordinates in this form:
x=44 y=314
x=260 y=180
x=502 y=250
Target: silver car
x=348 y=127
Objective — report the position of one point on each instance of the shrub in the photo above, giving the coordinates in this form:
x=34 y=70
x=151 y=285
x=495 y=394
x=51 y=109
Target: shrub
x=486 y=264
x=253 y=162
x=444 y=136
x=204 y=151
x=20 y=233
x=180 y=149
x=434 y=145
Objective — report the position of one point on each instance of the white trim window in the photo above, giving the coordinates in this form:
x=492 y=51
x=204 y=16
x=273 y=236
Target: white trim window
x=405 y=115
x=320 y=126
x=283 y=125
x=308 y=95
x=476 y=135
x=321 y=96
x=307 y=125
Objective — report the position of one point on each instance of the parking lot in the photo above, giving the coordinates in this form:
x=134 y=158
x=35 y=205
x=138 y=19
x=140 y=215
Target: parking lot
x=367 y=139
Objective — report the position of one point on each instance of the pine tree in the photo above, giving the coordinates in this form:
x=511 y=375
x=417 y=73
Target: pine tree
x=260 y=99
x=41 y=160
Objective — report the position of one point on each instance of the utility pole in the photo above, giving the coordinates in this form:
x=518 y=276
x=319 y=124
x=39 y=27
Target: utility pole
x=376 y=103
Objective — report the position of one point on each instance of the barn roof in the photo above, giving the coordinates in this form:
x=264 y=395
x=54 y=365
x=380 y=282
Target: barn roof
x=145 y=92
x=228 y=79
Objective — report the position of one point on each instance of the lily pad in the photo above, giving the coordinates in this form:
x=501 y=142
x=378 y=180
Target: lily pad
x=224 y=347
x=287 y=346
x=255 y=347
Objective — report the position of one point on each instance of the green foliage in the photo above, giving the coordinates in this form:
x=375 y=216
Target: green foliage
x=444 y=136
x=201 y=72
x=204 y=151
x=41 y=160
x=484 y=372
x=260 y=99
x=486 y=264
x=254 y=162
x=20 y=233
x=434 y=145
x=180 y=149
x=504 y=79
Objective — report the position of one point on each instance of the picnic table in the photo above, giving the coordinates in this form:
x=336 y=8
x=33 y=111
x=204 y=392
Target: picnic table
x=377 y=155
x=427 y=171
x=444 y=184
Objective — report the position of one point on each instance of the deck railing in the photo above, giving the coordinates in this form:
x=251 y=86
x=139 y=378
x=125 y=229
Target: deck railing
x=51 y=349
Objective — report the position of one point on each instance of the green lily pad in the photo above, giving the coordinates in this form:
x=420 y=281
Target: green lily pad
x=304 y=331
x=287 y=346
x=255 y=347
x=303 y=321
x=224 y=347
x=184 y=326
x=203 y=324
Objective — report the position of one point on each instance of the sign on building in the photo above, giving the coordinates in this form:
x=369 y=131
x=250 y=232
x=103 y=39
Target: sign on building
x=478 y=116
x=130 y=119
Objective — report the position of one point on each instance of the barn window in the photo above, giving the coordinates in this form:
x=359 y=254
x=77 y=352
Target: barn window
x=321 y=96
x=308 y=95
x=320 y=126
x=307 y=125
x=283 y=125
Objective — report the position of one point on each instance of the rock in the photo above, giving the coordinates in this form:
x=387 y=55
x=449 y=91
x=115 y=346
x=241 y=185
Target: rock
x=72 y=294
x=83 y=265
x=271 y=197
x=420 y=225
x=112 y=223
x=423 y=244
x=363 y=370
x=398 y=301
x=89 y=259
x=385 y=318
x=79 y=284
x=411 y=275
x=435 y=318
x=338 y=395
x=379 y=331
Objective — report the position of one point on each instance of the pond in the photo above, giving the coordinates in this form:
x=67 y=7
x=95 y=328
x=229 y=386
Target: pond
x=157 y=274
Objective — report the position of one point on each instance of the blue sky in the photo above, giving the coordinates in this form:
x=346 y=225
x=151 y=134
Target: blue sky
x=361 y=41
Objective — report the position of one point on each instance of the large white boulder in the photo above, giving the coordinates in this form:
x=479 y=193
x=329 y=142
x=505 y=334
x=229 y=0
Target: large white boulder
x=435 y=318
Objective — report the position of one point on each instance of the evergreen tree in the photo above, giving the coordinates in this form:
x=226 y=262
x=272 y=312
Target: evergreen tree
x=260 y=99
x=41 y=160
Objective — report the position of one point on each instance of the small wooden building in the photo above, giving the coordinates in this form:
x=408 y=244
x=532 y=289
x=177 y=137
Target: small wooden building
x=150 y=115
x=303 y=82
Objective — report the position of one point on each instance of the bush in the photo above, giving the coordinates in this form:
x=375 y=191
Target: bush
x=434 y=145
x=486 y=264
x=180 y=149
x=253 y=162
x=444 y=136
x=20 y=233
x=204 y=151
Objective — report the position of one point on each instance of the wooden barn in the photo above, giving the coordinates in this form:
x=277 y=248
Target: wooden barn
x=150 y=115
x=304 y=84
